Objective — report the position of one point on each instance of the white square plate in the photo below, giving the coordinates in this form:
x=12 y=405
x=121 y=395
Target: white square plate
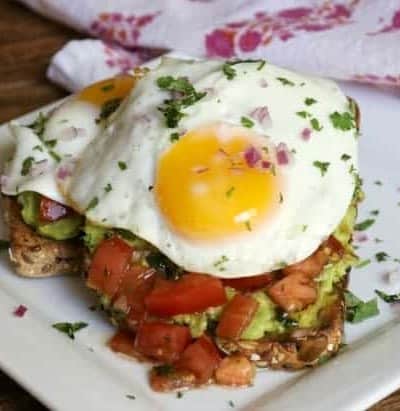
x=84 y=375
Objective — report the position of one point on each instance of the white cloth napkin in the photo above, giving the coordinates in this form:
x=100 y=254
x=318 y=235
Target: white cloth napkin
x=347 y=39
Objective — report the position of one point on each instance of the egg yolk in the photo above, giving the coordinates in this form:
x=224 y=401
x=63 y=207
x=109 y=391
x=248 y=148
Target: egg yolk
x=106 y=90
x=210 y=187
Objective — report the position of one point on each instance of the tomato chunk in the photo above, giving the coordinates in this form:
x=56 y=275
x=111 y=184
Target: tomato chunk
x=249 y=283
x=294 y=292
x=236 y=316
x=191 y=293
x=161 y=341
x=50 y=210
x=200 y=358
x=123 y=342
x=108 y=266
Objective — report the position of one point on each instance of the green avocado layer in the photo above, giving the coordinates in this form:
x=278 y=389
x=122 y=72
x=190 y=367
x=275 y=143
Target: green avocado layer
x=63 y=229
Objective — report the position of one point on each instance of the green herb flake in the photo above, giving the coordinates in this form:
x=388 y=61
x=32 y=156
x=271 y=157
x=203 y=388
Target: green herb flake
x=70 y=328
x=280 y=198
x=4 y=245
x=261 y=65
x=358 y=310
x=107 y=87
x=364 y=225
x=323 y=166
x=27 y=165
x=38 y=148
x=388 y=298
x=174 y=137
x=229 y=71
x=122 y=165
x=39 y=124
x=378 y=240
x=93 y=203
x=220 y=262
x=179 y=395
x=248 y=225
x=50 y=143
x=309 y=101
x=374 y=212
x=55 y=156
x=164 y=370
x=230 y=192
x=231 y=404
x=363 y=263
x=315 y=124
x=304 y=227
x=381 y=256
x=108 y=108
x=343 y=121
x=378 y=183
x=246 y=122
x=108 y=188
x=285 y=81
x=131 y=396
x=303 y=114
x=345 y=157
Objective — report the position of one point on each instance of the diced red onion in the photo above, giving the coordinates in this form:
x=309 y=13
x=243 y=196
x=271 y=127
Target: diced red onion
x=252 y=156
x=63 y=172
x=360 y=237
x=20 y=311
x=261 y=114
x=38 y=168
x=266 y=164
x=282 y=154
x=306 y=134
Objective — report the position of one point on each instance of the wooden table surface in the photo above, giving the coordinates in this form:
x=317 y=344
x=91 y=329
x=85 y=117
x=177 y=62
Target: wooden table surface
x=27 y=42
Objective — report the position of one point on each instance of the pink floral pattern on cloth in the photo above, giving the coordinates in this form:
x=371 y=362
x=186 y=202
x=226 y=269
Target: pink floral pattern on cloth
x=119 y=28
x=394 y=25
x=264 y=27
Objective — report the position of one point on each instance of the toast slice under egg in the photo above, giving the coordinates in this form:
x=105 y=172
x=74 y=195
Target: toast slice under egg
x=34 y=255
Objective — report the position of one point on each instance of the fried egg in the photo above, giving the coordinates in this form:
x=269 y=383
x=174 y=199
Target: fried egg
x=231 y=169
x=50 y=147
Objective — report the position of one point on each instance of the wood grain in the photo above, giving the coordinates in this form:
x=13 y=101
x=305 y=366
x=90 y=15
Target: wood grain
x=27 y=42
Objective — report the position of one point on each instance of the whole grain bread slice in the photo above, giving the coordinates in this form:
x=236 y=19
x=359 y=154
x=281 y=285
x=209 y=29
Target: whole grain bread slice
x=37 y=256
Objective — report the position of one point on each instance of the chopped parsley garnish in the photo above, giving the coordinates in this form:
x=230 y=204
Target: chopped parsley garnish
x=92 y=204
x=358 y=310
x=323 y=166
x=55 y=156
x=108 y=108
x=285 y=81
x=122 y=165
x=229 y=71
x=230 y=192
x=363 y=225
x=27 y=165
x=248 y=225
x=108 y=87
x=108 y=188
x=164 y=370
x=179 y=394
x=304 y=227
x=343 y=121
x=309 y=101
x=231 y=404
x=38 y=148
x=185 y=95
x=50 y=143
x=285 y=320
x=378 y=183
x=174 y=137
x=303 y=114
x=378 y=240
x=381 y=256
x=163 y=265
x=388 y=298
x=280 y=198
x=4 y=244
x=246 y=122
x=374 y=212
x=39 y=124
x=150 y=188
x=131 y=396
x=261 y=65
x=345 y=157
x=315 y=124
x=70 y=328
x=219 y=263
x=363 y=263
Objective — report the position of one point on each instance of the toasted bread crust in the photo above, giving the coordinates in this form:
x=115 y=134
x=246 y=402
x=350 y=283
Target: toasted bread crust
x=302 y=348
x=37 y=256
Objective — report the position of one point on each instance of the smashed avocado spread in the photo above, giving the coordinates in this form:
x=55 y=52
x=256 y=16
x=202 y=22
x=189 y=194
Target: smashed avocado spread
x=62 y=229
x=267 y=319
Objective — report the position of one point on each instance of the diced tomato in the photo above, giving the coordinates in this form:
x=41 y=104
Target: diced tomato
x=50 y=210
x=123 y=342
x=249 y=283
x=161 y=341
x=108 y=266
x=135 y=285
x=294 y=292
x=201 y=358
x=191 y=293
x=236 y=316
